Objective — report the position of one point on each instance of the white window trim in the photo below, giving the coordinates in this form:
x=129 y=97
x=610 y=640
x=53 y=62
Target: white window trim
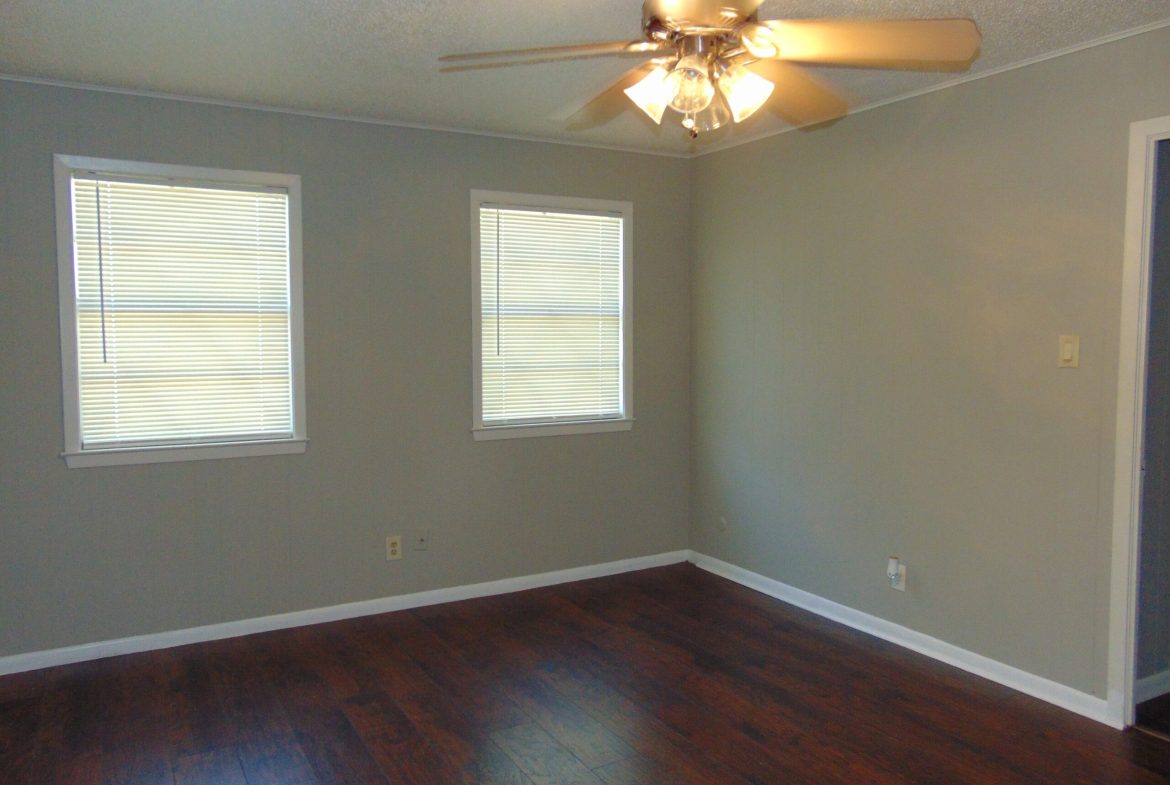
x=481 y=432
x=64 y=167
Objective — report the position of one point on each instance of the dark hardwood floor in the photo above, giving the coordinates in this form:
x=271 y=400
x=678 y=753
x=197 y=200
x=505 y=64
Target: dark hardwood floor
x=663 y=676
x=1154 y=715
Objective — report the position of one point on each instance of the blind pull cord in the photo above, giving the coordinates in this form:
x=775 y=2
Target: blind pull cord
x=498 y=292
x=101 y=272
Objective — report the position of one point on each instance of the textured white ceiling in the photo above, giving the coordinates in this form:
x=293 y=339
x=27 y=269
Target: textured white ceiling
x=377 y=58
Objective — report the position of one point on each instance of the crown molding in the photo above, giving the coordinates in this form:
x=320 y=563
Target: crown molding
x=192 y=99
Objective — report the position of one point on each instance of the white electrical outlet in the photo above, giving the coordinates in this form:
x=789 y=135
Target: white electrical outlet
x=897 y=578
x=422 y=540
x=393 y=547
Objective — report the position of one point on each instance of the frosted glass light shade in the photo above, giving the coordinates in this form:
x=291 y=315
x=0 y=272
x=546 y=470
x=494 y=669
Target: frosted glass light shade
x=652 y=94
x=745 y=92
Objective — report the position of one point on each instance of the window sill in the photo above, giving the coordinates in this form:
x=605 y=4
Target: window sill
x=187 y=452
x=486 y=433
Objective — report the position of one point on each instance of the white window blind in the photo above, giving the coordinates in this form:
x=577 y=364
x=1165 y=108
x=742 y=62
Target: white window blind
x=551 y=315
x=182 y=296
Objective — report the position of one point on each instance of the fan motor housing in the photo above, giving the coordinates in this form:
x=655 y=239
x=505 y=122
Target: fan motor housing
x=666 y=19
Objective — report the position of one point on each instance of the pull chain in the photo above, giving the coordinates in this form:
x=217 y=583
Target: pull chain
x=498 y=292
x=101 y=271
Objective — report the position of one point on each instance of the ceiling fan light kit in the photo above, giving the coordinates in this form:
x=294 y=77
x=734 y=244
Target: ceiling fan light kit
x=716 y=62
x=706 y=89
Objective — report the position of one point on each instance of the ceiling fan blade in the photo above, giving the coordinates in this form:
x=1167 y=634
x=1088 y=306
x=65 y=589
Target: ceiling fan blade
x=570 y=50
x=913 y=44
x=534 y=61
x=610 y=102
x=800 y=97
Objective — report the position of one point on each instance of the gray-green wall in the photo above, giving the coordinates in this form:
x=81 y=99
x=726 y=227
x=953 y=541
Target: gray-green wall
x=94 y=554
x=875 y=323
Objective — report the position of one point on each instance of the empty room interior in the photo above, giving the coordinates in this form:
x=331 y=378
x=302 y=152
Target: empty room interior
x=597 y=392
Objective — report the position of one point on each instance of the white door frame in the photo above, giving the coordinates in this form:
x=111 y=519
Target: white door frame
x=1131 y=391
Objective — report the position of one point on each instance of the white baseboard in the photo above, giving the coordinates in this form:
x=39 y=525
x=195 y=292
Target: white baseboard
x=1038 y=687
x=1151 y=686
x=1030 y=684
x=17 y=663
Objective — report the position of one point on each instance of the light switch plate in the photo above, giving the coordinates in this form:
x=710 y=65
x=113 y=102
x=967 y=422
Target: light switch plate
x=1069 y=354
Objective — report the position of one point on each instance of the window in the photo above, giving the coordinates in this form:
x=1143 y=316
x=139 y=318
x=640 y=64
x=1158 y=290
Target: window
x=180 y=294
x=551 y=313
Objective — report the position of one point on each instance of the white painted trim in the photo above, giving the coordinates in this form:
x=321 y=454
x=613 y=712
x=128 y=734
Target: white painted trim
x=1151 y=686
x=443 y=129
x=65 y=167
x=17 y=663
x=195 y=452
x=613 y=208
x=489 y=433
x=1131 y=376
x=1036 y=686
x=1028 y=683
x=66 y=302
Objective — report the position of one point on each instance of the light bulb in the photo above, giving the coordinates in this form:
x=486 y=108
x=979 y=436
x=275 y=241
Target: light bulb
x=692 y=88
x=652 y=93
x=758 y=40
x=745 y=92
x=714 y=115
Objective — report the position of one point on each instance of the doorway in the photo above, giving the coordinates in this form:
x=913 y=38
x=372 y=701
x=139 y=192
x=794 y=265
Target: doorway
x=1123 y=684
x=1151 y=691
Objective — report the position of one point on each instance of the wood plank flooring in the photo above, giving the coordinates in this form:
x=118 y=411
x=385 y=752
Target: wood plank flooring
x=663 y=676
x=1154 y=715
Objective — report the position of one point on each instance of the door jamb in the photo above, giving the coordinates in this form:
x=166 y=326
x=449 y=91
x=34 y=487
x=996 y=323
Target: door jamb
x=1131 y=377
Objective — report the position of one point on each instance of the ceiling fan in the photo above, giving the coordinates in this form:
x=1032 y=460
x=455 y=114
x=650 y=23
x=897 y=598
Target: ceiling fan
x=716 y=62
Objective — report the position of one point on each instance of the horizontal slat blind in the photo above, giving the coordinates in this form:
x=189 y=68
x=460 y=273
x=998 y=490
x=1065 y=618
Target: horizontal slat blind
x=183 y=306
x=551 y=315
